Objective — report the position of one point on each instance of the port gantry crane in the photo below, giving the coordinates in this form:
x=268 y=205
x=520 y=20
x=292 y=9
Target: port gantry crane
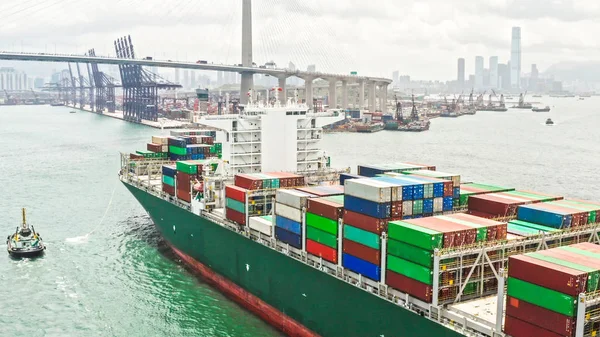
x=399 y=116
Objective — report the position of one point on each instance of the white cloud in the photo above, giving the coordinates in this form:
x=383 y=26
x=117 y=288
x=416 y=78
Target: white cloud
x=422 y=38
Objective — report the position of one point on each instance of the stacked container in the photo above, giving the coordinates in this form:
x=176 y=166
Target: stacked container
x=289 y=216
x=524 y=228
x=470 y=189
x=552 y=215
x=265 y=181
x=410 y=248
x=235 y=204
x=262 y=224
x=451 y=186
x=322 y=226
x=543 y=289
x=323 y=191
x=168 y=179
x=504 y=204
x=374 y=170
x=421 y=196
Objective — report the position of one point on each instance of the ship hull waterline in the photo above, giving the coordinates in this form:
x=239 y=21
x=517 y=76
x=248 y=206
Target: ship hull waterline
x=295 y=298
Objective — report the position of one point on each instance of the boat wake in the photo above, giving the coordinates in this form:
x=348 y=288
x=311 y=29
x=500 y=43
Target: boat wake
x=84 y=238
x=78 y=239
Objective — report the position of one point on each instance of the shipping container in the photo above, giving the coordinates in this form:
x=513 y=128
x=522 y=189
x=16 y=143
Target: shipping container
x=322 y=223
x=262 y=224
x=373 y=170
x=235 y=205
x=361 y=266
x=416 y=235
x=325 y=208
x=184 y=181
x=168 y=189
x=361 y=251
x=369 y=189
x=541 y=317
x=289 y=225
x=370 y=208
x=407 y=208
x=323 y=191
x=410 y=269
x=288 y=212
x=235 y=216
x=494 y=227
x=548 y=215
x=361 y=236
x=169 y=170
x=248 y=181
x=455 y=178
x=562 y=276
x=345 y=176
x=293 y=198
x=321 y=237
x=177 y=150
x=410 y=286
x=518 y=328
x=323 y=251
x=168 y=180
x=162 y=140
x=365 y=222
x=469 y=189
x=290 y=238
x=236 y=193
x=410 y=253
x=540 y=296
x=455 y=235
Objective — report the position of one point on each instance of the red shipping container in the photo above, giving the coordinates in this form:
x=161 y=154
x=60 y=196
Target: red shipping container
x=317 y=249
x=248 y=182
x=542 y=317
x=518 y=328
x=134 y=156
x=365 y=222
x=548 y=275
x=184 y=180
x=414 y=288
x=396 y=209
x=592 y=247
x=572 y=257
x=325 y=208
x=154 y=147
x=236 y=193
x=448 y=189
x=496 y=229
x=235 y=216
x=455 y=235
x=363 y=252
x=495 y=204
x=184 y=195
x=168 y=189
x=482 y=214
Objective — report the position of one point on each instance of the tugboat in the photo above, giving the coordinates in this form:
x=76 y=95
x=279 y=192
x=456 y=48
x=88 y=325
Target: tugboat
x=72 y=111
x=549 y=122
x=25 y=242
x=546 y=109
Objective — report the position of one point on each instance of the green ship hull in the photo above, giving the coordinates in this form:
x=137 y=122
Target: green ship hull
x=322 y=303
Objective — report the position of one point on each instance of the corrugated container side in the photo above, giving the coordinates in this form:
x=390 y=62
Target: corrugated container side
x=518 y=328
x=168 y=180
x=261 y=225
x=290 y=238
x=236 y=193
x=361 y=236
x=323 y=191
x=248 y=182
x=361 y=266
x=317 y=249
x=288 y=212
x=168 y=189
x=532 y=213
x=544 y=318
x=416 y=235
x=414 y=288
x=292 y=198
x=369 y=189
x=288 y=224
x=370 y=208
x=322 y=223
x=235 y=205
x=407 y=208
x=361 y=251
x=410 y=253
x=235 y=216
x=543 y=297
x=325 y=208
x=365 y=222
x=321 y=237
x=410 y=269
x=346 y=176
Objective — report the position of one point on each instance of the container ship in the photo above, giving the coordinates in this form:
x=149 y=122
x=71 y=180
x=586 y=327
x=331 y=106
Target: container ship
x=398 y=249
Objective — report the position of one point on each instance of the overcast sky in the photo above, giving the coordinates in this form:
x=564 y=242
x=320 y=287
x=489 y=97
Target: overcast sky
x=421 y=38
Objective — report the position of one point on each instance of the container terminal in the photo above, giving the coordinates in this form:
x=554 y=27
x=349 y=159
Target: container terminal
x=396 y=249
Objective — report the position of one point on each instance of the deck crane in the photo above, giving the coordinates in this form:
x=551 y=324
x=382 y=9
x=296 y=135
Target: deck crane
x=480 y=99
x=471 y=99
x=414 y=114
x=399 y=116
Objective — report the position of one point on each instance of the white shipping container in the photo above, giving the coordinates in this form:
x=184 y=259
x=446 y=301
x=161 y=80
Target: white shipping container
x=262 y=225
x=407 y=208
x=160 y=140
x=368 y=189
x=292 y=198
x=438 y=205
x=288 y=212
x=165 y=148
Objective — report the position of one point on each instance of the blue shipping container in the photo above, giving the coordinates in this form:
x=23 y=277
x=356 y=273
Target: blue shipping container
x=447 y=204
x=456 y=193
x=367 y=171
x=288 y=225
x=427 y=205
x=367 y=207
x=438 y=190
x=361 y=266
x=407 y=186
x=543 y=217
x=169 y=170
x=288 y=237
x=346 y=176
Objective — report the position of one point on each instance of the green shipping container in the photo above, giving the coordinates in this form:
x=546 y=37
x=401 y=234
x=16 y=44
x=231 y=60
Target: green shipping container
x=321 y=237
x=410 y=269
x=324 y=224
x=361 y=236
x=213 y=149
x=410 y=253
x=418 y=236
x=235 y=205
x=542 y=297
x=417 y=207
x=532 y=226
x=177 y=150
x=168 y=180
x=187 y=167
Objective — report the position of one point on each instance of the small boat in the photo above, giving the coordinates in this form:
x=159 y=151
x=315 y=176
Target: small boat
x=72 y=111
x=25 y=242
x=545 y=109
x=549 y=122
x=581 y=98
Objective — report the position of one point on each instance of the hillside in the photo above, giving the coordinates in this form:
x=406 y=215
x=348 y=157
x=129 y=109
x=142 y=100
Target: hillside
x=571 y=71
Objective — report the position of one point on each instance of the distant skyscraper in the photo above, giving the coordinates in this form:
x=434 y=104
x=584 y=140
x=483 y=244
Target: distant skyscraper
x=461 y=73
x=494 y=72
x=38 y=83
x=395 y=78
x=503 y=76
x=478 y=72
x=533 y=79
x=471 y=82
x=515 y=58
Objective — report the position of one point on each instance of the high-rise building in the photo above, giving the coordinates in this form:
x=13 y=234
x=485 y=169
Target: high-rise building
x=461 y=73
x=503 y=76
x=395 y=78
x=478 y=72
x=493 y=72
x=533 y=79
x=471 y=82
x=515 y=58
x=38 y=83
